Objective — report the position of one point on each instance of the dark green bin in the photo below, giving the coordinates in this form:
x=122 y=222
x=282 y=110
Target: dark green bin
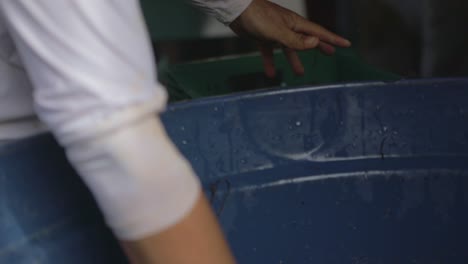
x=245 y=72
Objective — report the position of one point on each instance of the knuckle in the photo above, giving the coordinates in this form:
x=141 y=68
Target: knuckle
x=301 y=42
x=295 y=42
x=290 y=19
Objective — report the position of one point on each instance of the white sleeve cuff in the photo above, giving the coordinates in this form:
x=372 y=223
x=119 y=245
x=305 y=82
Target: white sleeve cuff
x=141 y=182
x=226 y=11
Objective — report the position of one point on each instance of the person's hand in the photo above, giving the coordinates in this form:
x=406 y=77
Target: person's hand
x=271 y=24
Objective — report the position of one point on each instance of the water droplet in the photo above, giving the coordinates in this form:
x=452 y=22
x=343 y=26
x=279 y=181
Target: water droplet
x=395 y=132
x=182 y=128
x=298 y=123
x=243 y=161
x=290 y=127
x=385 y=129
x=281 y=98
x=216 y=109
x=184 y=142
x=283 y=84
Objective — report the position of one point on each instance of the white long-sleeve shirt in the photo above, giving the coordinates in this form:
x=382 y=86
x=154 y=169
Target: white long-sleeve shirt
x=85 y=69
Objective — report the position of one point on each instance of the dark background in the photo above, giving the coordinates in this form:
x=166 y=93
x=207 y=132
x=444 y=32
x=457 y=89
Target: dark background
x=417 y=38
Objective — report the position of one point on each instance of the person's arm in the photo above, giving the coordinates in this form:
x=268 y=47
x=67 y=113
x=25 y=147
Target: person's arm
x=272 y=25
x=181 y=229
x=92 y=69
x=193 y=240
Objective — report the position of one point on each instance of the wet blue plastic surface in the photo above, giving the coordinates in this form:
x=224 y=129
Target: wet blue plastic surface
x=362 y=173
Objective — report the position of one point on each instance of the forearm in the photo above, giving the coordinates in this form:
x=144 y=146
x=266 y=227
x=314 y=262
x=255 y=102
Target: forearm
x=100 y=99
x=150 y=196
x=195 y=240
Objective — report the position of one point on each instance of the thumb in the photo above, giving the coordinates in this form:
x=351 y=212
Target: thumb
x=298 y=41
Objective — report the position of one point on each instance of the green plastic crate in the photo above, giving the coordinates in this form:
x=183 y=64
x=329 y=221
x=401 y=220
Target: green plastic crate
x=244 y=73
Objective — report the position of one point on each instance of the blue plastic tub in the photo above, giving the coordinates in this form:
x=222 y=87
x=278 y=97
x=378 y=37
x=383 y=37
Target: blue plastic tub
x=360 y=173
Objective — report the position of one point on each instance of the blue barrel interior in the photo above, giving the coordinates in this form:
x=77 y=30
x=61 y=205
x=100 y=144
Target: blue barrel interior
x=354 y=173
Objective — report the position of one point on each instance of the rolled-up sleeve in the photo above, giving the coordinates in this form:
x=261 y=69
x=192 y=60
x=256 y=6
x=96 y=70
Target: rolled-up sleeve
x=87 y=60
x=93 y=73
x=224 y=11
